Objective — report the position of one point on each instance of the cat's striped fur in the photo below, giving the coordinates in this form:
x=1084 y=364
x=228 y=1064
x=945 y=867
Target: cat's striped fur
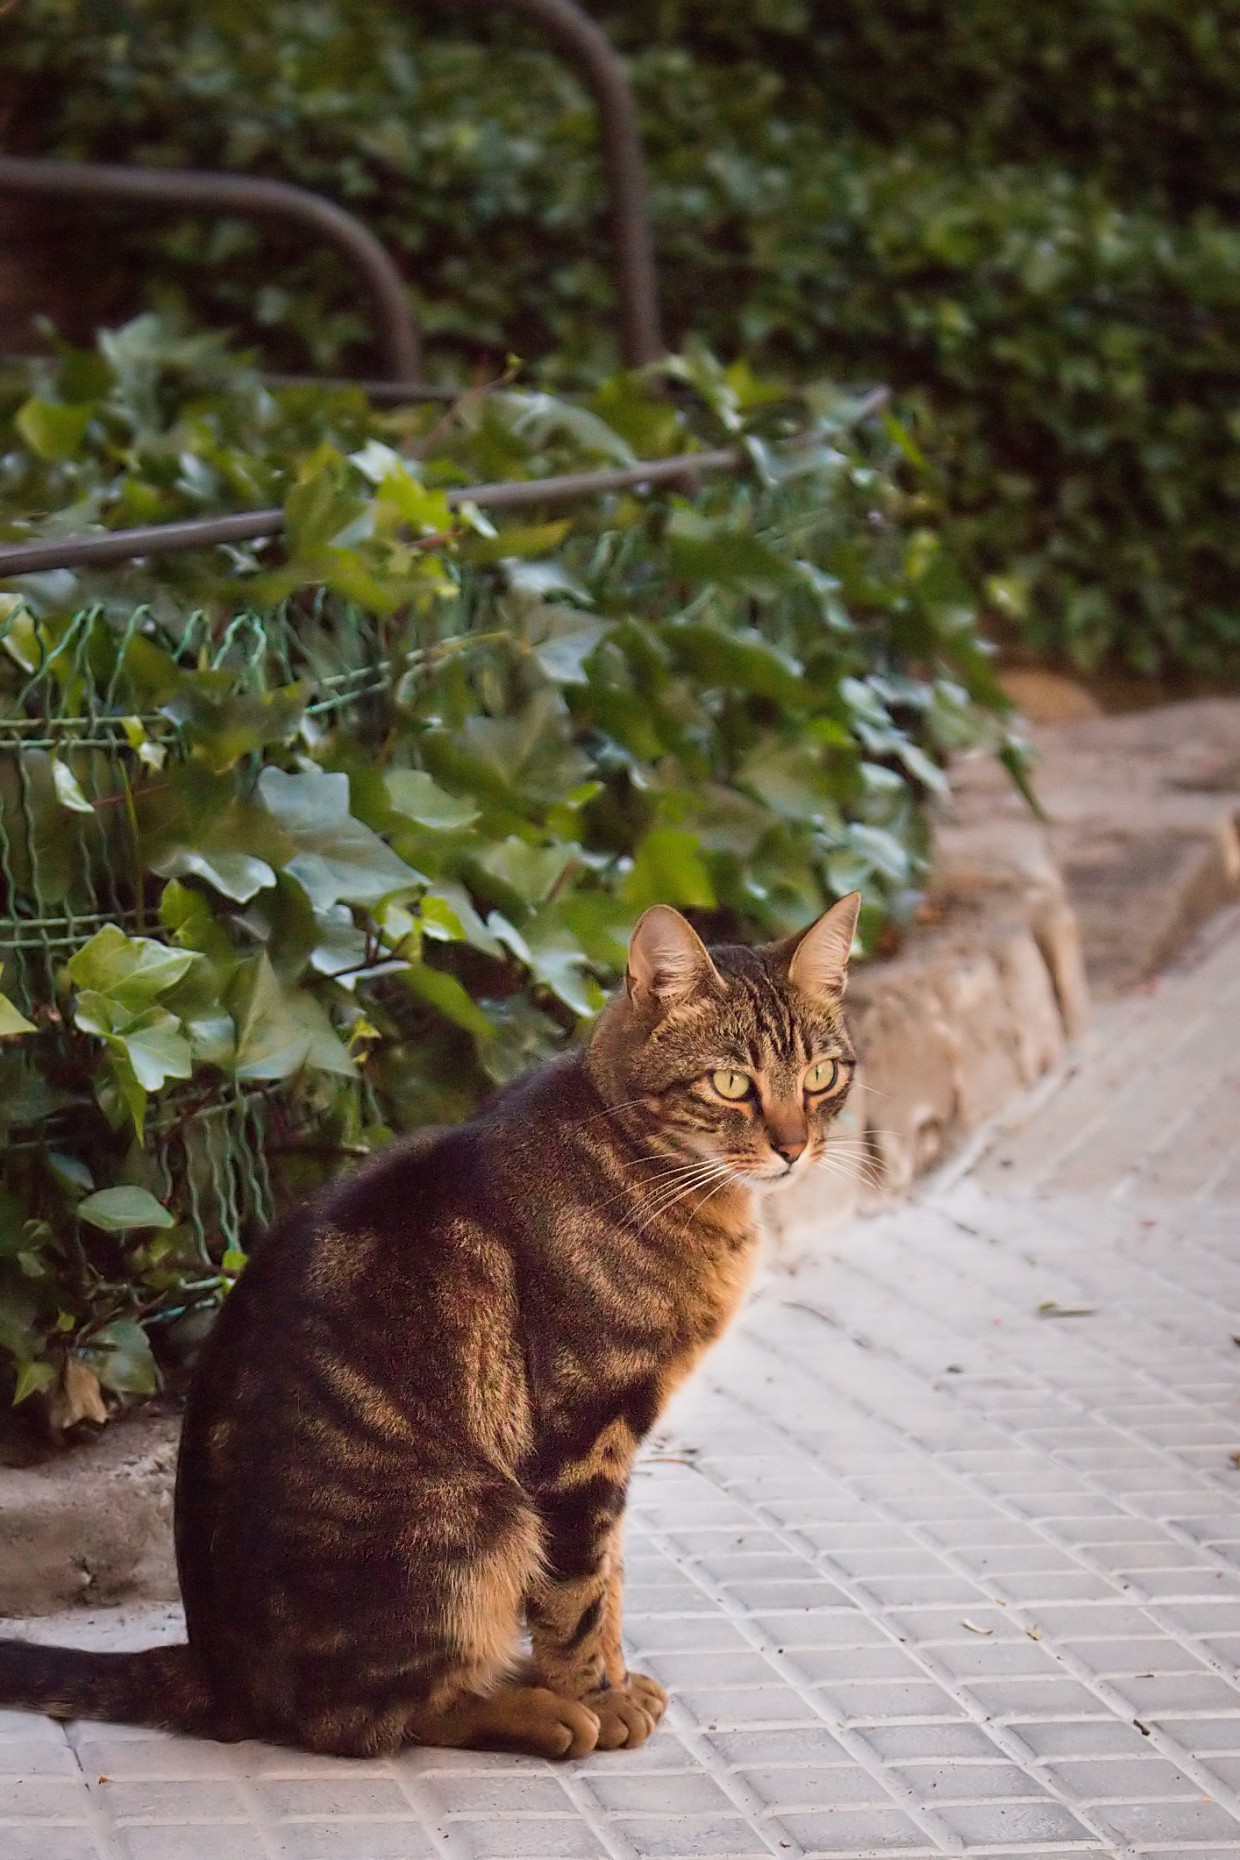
x=412 y=1428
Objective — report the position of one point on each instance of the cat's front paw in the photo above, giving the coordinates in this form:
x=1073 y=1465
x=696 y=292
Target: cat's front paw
x=627 y=1714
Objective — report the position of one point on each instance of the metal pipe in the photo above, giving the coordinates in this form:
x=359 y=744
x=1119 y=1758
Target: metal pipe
x=248 y=525
x=587 y=45
x=191 y=190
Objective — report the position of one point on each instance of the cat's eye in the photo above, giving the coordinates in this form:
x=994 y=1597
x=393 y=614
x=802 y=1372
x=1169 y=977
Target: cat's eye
x=732 y=1085
x=822 y=1075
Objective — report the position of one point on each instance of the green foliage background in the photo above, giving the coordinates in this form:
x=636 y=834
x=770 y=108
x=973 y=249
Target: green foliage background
x=310 y=841
x=1022 y=217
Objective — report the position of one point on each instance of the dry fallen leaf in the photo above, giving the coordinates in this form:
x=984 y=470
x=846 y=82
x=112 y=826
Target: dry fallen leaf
x=77 y=1398
x=1052 y=1309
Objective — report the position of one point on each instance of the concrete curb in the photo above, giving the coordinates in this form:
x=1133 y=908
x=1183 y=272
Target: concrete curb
x=1142 y=844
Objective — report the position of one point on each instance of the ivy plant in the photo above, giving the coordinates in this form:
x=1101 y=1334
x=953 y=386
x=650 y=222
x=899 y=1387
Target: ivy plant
x=311 y=841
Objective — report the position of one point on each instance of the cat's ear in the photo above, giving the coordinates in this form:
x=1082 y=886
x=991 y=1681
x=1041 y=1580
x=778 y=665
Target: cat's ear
x=668 y=961
x=818 y=963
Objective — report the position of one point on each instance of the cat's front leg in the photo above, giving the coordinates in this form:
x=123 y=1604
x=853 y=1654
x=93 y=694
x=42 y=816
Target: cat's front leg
x=633 y=1695
x=575 y=1614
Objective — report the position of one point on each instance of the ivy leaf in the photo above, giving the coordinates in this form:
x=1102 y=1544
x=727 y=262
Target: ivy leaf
x=668 y=868
x=55 y=432
x=12 y=1020
x=338 y=859
x=446 y=995
x=793 y=781
x=120 y=1355
x=742 y=660
x=68 y=790
x=419 y=797
x=531 y=873
x=235 y=875
x=700 y=551
x=341 y=945
x=156 y=1048
x=281 y=1030
x=224 y=724
x=117 y=1210
x=200 y=828
x=557 y=961
x=147 y=1048
x=883 y=851
x=131 y=970
x=448 y=916
x=31 y=1379
x=530 y=751
x=567 y=643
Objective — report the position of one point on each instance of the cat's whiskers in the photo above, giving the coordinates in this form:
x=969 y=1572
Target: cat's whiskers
x=645 y=1192
x=662 y=1180
x=709 y=1172
x=851 y=1168
x=668 y=1192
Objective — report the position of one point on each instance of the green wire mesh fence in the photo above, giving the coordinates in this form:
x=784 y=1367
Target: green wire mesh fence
x=82 y=750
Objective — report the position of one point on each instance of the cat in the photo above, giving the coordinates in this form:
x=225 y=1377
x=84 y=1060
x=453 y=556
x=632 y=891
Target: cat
x=411 y=1430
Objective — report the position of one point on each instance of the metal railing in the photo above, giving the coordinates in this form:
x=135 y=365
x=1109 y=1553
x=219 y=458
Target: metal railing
x=193 y=189
x=249 y=525
x=572 y=32
x=587 y=45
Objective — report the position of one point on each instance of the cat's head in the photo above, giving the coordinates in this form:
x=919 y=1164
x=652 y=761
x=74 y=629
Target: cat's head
x=740 y=1056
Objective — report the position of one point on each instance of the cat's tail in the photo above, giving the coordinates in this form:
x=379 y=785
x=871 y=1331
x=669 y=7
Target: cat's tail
x=160 y=1687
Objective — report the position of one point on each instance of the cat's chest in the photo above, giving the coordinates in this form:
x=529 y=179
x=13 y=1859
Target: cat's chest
x=632 y=1331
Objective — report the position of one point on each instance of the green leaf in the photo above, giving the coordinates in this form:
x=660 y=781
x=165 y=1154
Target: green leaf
x=68 y=792
x=117 y=1210
x=120 y=1355
x=338 y=859
x=448 y=916
x=668 y=869
x=793 y=780
x=202 y=829
x=419 y=797
x=531 y=873
x=567 y=641
x=742 y=661
x=71 y=1173
x=702 y=551
x=31 y=1379
x=341 y=945
x=132 y=970
x=281 y=1030
x=447 y=996
x=322 y=509
x=55 y=432
x=189 y=920
x=12 y=1020
x=558 y=962
x=235 y=875
x=156 y=1048
x=224 y=724
x=1015 y=759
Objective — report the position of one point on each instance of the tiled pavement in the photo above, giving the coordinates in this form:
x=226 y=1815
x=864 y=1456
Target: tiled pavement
x=941 y=1555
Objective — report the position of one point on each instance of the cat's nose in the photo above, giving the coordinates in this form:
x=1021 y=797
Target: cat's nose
x=788 y=1147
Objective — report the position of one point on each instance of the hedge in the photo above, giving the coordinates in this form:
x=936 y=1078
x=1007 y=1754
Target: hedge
x=1023 y=218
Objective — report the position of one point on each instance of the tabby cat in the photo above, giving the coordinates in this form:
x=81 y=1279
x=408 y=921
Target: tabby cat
x=411 y=1430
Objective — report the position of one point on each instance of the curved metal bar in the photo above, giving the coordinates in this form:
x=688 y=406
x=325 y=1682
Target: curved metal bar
x=587 y=45
x=191 y=189
x=248 y=525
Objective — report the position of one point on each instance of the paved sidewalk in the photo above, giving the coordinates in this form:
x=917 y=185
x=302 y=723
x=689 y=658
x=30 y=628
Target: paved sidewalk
x=940 y=1555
